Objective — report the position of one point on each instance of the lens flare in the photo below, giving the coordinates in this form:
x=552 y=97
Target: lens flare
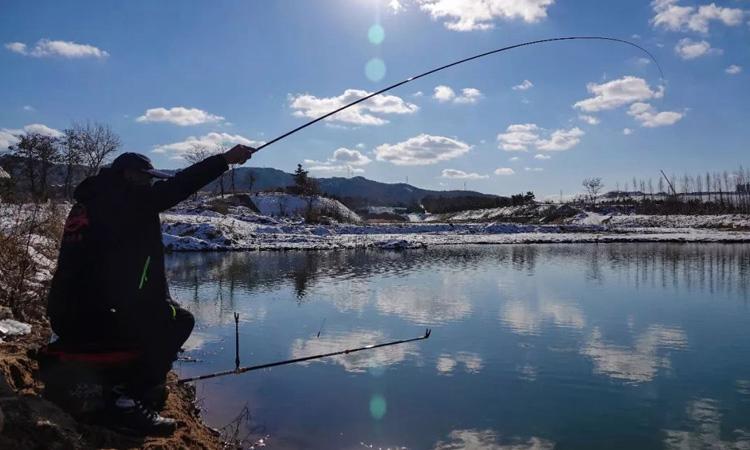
x=378 y=407
x=376 y=34
x=375 y=69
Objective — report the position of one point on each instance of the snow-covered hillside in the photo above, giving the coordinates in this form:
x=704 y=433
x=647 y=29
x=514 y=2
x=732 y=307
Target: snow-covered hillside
x=276 y=204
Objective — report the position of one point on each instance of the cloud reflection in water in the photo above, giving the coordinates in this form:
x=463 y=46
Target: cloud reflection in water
x=372 y=360
x=640 y=363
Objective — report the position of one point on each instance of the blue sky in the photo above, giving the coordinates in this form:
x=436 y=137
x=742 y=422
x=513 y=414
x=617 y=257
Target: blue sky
x=170 y=75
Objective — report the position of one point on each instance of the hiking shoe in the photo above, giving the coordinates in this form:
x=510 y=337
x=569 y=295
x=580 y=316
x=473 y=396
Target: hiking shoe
x=134 y=415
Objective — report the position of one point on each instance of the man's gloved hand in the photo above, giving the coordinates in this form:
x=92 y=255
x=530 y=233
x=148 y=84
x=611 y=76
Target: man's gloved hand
x=238 y=154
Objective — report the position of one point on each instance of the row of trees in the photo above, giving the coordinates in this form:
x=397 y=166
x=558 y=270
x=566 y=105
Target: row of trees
x=716 y=186
x=80 y=150
x=716 y=192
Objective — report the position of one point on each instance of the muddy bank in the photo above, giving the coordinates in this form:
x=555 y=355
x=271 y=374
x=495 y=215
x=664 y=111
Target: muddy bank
x=28 y=421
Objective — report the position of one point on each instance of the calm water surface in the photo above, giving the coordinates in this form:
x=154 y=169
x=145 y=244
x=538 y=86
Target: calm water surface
x=533 y=346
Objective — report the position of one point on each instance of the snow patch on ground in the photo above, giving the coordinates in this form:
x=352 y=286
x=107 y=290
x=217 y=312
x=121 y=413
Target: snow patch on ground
x=276 y=204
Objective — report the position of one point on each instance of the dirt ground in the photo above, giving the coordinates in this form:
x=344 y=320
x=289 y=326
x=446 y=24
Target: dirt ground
x=28 y=421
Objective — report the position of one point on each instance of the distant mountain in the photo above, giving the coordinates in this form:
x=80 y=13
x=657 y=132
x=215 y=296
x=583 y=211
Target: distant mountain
x=358 y=190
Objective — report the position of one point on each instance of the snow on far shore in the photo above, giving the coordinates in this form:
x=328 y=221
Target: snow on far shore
x=241 y=230
x=276 y=204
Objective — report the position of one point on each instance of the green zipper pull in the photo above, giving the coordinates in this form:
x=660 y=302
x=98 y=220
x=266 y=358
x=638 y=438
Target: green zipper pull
x=144 y=278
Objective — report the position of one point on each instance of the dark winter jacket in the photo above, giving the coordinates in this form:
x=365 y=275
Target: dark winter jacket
x=110 y=278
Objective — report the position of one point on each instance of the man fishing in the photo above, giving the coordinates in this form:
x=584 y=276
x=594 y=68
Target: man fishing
x=110 y=288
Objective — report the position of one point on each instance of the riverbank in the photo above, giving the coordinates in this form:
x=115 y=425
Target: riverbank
x=237 y=228
x=29 y=421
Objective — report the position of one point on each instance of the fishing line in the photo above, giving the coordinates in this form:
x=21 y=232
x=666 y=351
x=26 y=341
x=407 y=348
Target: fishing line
x=455 y=63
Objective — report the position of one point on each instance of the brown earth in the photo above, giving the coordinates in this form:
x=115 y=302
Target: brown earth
x=28 y=421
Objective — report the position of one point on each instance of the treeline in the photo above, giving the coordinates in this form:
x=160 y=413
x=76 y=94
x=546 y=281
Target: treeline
x=439 y=205
x=45 y=165
x=708 y=193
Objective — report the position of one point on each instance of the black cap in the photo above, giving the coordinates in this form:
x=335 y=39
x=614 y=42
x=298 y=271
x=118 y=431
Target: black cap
x=139 y=162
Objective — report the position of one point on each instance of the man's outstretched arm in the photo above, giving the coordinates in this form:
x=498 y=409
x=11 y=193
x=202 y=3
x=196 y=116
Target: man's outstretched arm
x=166 y=194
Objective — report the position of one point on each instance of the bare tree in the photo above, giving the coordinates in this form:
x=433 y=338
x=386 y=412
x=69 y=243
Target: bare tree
x=593 y=187
x=651 y=189
x=97 y=143
x=72 y=156
x=196 y=153
x=39 y=152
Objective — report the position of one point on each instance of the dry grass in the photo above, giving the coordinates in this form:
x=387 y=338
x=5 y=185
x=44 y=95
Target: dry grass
x=29 y=242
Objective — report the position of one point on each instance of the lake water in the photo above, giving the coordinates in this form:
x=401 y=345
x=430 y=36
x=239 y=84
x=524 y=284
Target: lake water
x=533 y=346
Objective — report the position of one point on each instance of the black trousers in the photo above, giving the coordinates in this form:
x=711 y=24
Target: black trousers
x=160 y=341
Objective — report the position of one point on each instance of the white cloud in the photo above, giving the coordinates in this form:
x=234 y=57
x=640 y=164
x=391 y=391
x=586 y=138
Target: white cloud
x=421 y=150
x=639 y=363
x=424 y=305
x=561 y=140
x=317 y=166
x=395 y=6
x=471 y=361
x=417 y=94
x=16 y=47
x=591 y=120
x=616 y=93
x=461 y=175
x=469 y=95
x=344 y=160
x=444 y=94
x=179 y=116
x=365 y=113
x=519 y=137
x=513 y=158
x=29 y=108
x=504 y=171
x=530 y=318
x=526 y=85
x=9 y=136
x=42 y=129
x=642 y=61
x=211 y=141
x=348 y=156
x=467 y=15
x=627 y=131
x=650 y=118
x=733 y=69
x=533 y=169
x=489 y=440
x=63 y=49
x=542 y=156
x=355 y=362
x=671 y=16
x=689 y=49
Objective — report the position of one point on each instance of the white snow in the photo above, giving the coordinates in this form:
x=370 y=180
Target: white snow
x=240 y=230
x=10 y=327
x=277 y=204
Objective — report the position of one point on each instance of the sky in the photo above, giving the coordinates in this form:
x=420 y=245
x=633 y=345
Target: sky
x=171 y=75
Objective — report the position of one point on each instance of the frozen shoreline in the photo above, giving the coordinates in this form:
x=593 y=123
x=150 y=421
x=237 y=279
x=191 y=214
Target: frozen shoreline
x=209 y=231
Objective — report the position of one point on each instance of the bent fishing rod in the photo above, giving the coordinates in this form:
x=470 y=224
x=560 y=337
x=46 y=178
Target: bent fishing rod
x=456 y=63
x=240 y=370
